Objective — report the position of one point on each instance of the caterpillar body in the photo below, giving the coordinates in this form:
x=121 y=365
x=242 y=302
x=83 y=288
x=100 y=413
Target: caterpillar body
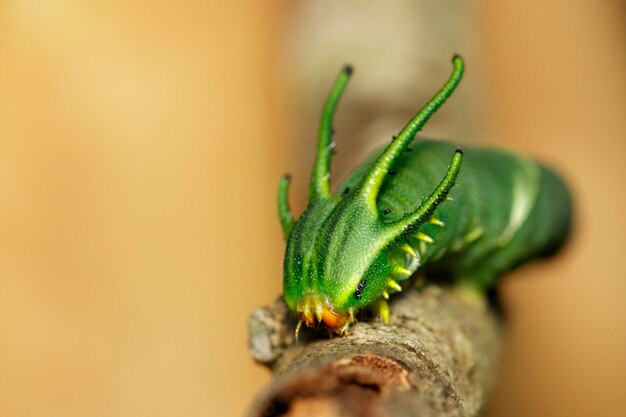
x=471 y=215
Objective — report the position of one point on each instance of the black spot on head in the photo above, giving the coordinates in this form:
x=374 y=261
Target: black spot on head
x=345 y=192
x=359 y=289
x=387 y=211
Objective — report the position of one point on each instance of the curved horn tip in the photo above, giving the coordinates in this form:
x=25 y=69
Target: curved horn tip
x=348 y=69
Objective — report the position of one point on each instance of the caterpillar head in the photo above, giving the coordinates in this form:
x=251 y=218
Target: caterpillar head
x=339 y=252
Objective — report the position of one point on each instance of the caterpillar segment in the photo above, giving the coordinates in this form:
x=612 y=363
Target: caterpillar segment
x=393 y=219
x=381 y=308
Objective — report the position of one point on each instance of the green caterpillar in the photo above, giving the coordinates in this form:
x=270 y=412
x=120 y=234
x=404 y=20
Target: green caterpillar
x=408 y=209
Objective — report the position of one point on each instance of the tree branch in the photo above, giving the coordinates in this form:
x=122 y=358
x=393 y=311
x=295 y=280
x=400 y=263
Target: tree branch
x=436 y=357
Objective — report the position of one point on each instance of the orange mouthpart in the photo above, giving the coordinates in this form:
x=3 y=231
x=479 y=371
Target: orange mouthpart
x=334 y=320
x=313 y=309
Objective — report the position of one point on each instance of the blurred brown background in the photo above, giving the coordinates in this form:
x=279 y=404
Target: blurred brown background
x=140 y=147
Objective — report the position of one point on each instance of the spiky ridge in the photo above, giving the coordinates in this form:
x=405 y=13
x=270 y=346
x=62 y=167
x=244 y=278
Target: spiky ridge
x=341 y=243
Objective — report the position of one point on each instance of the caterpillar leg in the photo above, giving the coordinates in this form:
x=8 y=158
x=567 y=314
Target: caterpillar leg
x=472 y=293
x=381 y=308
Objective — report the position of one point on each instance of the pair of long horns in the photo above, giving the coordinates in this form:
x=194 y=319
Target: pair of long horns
x=370 y=186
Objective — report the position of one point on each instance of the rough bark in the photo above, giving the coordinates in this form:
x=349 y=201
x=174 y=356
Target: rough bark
x=436 y=357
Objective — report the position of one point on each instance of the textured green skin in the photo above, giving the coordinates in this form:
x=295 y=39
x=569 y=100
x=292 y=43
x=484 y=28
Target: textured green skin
x=339 y=253
x=502 y=210
x=483 y=198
